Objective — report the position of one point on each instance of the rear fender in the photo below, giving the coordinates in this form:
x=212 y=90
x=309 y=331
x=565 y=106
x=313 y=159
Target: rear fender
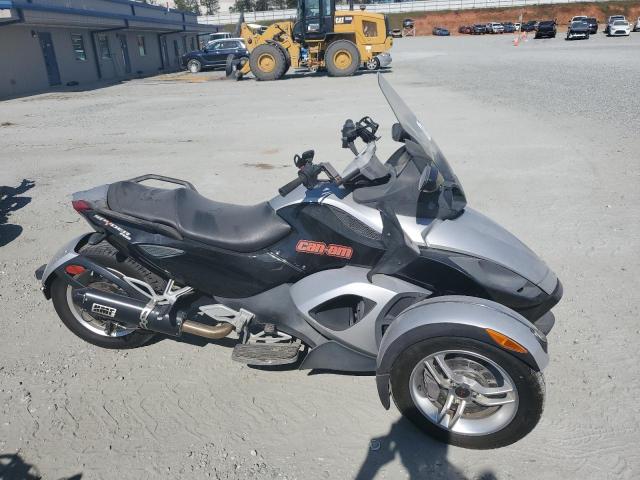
x=68 y=255
x=456 y=316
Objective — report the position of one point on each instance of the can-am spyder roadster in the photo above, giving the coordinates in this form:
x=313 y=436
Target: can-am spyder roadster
x=382 y=268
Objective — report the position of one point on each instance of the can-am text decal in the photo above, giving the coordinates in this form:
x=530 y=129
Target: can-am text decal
x=321 y=248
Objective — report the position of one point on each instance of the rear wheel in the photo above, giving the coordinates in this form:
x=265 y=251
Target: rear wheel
x=467 y=393
x=268 y=62
x=342 y=58
x=95 y=330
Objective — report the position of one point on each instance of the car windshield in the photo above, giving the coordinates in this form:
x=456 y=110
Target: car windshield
x=547 y=24
x=619 y=22
x=578 y=24
x=416 y=130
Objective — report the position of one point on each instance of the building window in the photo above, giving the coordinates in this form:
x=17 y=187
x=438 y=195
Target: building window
x=78 y=47
x=370 y=29
x=103 y=46
x=142 y=48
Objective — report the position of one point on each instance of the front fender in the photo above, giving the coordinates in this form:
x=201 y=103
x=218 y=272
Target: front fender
x=456 y=316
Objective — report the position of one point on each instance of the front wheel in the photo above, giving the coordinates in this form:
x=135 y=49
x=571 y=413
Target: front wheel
x=372 y=64
x=467 y=393
x=194 y=66
x=342 y=58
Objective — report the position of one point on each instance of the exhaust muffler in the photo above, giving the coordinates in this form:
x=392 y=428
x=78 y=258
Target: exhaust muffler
x=134 y=313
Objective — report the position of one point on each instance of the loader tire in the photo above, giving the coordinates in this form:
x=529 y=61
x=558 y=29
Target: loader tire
x=342 y=58
x=267 y=62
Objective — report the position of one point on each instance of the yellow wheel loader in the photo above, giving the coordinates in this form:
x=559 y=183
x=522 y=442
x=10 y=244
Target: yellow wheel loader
x=320 y=38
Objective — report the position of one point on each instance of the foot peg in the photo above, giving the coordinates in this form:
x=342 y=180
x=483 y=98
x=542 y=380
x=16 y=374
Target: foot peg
x=266 y=353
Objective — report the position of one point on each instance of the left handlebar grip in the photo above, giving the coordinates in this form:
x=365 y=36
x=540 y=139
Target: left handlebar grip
x=290 y=187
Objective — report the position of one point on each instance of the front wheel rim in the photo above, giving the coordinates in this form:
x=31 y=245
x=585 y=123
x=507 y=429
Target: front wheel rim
x=463 y=392
x=372 y=64
x=342 y=59
x=194 y=67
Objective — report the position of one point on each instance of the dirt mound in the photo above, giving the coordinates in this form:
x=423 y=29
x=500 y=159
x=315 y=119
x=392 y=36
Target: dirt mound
x=562 y=13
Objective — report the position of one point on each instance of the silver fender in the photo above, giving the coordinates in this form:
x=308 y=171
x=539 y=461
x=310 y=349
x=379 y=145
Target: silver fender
x=62 y=256
x=456 y=316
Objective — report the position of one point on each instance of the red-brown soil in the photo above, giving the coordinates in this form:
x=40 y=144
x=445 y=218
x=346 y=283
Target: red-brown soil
x=425 y=21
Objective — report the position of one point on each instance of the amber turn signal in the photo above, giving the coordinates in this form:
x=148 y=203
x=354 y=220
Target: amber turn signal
x=505 y=342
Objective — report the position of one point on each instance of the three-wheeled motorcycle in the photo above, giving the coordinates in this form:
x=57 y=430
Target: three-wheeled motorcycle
x=381 y=268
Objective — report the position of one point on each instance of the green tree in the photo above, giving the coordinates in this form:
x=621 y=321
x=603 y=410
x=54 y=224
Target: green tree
x=211 y=6
x=188 y=6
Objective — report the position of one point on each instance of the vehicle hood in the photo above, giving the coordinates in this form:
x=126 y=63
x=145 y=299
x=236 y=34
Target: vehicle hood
x=474 y=234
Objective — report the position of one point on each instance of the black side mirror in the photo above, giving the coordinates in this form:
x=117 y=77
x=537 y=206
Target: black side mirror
x=306 y=157
x=398 y=133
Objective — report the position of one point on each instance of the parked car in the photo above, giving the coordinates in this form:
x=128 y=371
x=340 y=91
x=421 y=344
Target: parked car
x=517 y=26
x=465 y=29
x=612 y=19
x=578 y=18
x=214 y=54
x=578 y=29
x=593 y=24
x=440 y=32
x=509 y=27
x=478 y=29
x=396 y=33
x=636 y=26
x=529 y=26
x=496 y=27
x=619 y=28
x=547 y=29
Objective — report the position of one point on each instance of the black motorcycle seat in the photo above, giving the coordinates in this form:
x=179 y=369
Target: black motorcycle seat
x=233 y=227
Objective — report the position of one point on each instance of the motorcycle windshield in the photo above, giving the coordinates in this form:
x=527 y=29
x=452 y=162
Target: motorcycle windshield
x=415 y=129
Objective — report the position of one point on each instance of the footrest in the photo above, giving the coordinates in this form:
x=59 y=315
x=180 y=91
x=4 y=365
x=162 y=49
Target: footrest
x=266 y=353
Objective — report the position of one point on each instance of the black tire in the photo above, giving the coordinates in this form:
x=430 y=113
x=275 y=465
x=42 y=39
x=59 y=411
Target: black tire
x=106 y=256
x=268 y=62
x=336 y=56
x=194 y=66
x=529 y=384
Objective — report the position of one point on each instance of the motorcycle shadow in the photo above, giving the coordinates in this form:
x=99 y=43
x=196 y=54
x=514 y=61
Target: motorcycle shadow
x=11 y=201
x=421 y=456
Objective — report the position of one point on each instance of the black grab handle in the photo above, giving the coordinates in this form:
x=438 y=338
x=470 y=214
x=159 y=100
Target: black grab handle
x=162 y=178
x=290 y=187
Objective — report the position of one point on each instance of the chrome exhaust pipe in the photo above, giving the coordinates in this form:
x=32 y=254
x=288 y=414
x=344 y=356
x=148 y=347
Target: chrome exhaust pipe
x=134 y=313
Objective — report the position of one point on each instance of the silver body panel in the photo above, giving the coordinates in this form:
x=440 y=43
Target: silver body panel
x=321 y=287
x=474 y=234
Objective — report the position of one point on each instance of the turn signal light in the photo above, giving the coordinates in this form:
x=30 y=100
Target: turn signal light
x=505 y=342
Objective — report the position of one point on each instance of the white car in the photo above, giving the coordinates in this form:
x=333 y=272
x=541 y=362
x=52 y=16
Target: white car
x=610 y=21
x=517 y=26
x=619 y=28
x=497 y=27
x=636 y=27
x=579 y=18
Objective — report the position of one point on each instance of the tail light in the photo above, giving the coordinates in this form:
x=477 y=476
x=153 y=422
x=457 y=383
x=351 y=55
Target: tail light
x=81 y=206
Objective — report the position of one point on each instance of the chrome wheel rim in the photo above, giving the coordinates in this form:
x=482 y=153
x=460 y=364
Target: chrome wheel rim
x=463 y=392
x=95 y=325
x=372 y=64
x=194 y=67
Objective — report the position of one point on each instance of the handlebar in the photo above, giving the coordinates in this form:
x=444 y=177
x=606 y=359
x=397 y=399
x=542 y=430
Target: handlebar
x=290 y=187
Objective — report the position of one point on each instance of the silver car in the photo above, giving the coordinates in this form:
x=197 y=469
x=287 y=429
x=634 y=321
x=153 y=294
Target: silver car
x=636 y=26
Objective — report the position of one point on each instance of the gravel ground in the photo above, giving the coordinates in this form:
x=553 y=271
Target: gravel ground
x=543 y=136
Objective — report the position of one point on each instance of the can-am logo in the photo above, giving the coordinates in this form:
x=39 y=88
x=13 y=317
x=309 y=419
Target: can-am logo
x=321 y=248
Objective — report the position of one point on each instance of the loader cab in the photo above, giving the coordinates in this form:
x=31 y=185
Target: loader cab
x=314 y=19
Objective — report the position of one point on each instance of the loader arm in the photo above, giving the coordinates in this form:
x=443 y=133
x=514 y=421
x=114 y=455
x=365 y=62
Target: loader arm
x=280 y=33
